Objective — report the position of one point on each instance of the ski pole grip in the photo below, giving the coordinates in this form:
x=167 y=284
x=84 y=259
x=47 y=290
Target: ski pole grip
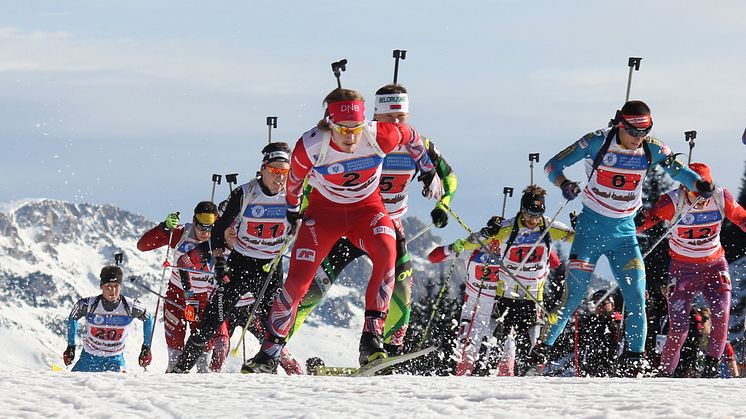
x=508 y=191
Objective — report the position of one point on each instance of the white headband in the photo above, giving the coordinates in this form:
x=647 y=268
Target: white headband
x=393 y=103
x=278 y=155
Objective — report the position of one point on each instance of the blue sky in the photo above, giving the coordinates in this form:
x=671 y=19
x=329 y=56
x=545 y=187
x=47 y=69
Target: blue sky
x=137 y=103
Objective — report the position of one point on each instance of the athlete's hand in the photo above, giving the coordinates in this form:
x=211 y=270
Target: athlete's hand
x=439 y=216
x=458 y=246
x=145 y=356
x=493 y=226
x=293 y=216
x=69 y=355
x=172 y=220
x=573 y=219
x=432 y=187
x=704 y=189
x=570 y=189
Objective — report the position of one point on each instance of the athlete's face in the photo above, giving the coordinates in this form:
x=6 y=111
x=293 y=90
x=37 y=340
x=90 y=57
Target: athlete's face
x=202 y=232
x=274 y=175
x=111 y=291
x=629 y=142
x=347 y=134
x=396 y=118
x=530 y=221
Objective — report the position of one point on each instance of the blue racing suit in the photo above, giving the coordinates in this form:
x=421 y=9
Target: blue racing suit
x=606 y=224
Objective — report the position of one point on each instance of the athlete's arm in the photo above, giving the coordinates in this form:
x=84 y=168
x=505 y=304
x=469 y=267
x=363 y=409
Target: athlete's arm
x=80 y=309
x=300 y=165
x=660 y=153
x=585 y=147
x=139 y=312
x=158 y=236
x=734 y=211
x=560 y=231
x=443 y=170
x=664 y=209
x=232 y=209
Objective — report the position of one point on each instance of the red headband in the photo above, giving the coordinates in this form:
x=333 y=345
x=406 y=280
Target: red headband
x=638 y=121
x=348 y=110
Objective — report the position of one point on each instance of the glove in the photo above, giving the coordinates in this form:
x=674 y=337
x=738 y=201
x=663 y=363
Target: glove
x=570 y=189
x=172 y=220
x=458 y=246
x=145 y=356
x=293 y=218
x=573 y=219
x=493 y=226
x=440 y=216
x=69 y=355
x=704 y=189
x=432 y=187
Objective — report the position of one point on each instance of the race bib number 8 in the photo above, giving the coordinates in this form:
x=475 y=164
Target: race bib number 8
x=616 y=180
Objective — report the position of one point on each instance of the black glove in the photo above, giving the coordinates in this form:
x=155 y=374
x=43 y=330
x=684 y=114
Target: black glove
x=293 y=218
x=145 y=356
x=69 y=355
x=426 y=179
x=493 y=226
x=704 y=189
x=570 y=189
x=573 y=219
x=439 y=216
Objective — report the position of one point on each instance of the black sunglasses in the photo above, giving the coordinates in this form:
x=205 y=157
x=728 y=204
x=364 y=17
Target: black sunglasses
x=634 y=131
x=203 y=227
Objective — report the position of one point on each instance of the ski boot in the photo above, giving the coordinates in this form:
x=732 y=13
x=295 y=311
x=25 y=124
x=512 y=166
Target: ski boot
x=536 y=359
x=313 y=363
x=393 y=350
x=261 y=363
x=633 y=365
x=711 y=368
x=371 y=348
x=188 y=357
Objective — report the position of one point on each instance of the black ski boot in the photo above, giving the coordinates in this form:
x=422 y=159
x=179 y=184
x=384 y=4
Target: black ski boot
x=633 y=365
x=312 y=365
x=371 y=348
x=536 y=358
x=188 y=358
x=712 y=367
x=393 y=350
x=261 y=363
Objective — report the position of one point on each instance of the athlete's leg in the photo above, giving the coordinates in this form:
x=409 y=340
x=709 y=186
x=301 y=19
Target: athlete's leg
x=374 y=233
x=717 y=293
x=629 y=270
x=400 y=308
x=679 y=304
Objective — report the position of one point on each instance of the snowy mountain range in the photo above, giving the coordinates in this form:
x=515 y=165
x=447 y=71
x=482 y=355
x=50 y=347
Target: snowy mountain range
x=52 y=251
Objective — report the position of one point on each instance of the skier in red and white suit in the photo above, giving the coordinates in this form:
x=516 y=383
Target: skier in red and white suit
x=342 y=158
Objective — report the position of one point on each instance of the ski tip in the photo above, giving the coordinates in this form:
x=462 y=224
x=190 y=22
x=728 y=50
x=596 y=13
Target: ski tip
x=57 y=368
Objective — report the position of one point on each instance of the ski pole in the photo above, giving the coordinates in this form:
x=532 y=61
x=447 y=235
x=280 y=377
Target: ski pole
x=135 y=280
x=422 y=231
x=215 y=181
x=634 y=64
x=337 y=68
x=398 y=54
x=190 y=270
x=650 y=250
x=277 y=261
x=689 y=136
x=507 y=191
x=271 y=123
x=166 y=265
x=551 y=317
x=532 y=157
x=232 y=180
x=443 y=288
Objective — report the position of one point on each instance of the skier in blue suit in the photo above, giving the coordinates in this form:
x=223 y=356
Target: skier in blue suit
x=616 y=161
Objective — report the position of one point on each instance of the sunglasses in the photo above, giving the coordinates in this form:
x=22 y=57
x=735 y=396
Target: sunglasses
x=357 y=129
x=634 y=131
x=203 y=227
x=277 y=171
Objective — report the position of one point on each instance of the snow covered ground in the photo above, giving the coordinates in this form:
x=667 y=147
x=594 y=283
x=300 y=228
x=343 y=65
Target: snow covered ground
x=46 y=394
